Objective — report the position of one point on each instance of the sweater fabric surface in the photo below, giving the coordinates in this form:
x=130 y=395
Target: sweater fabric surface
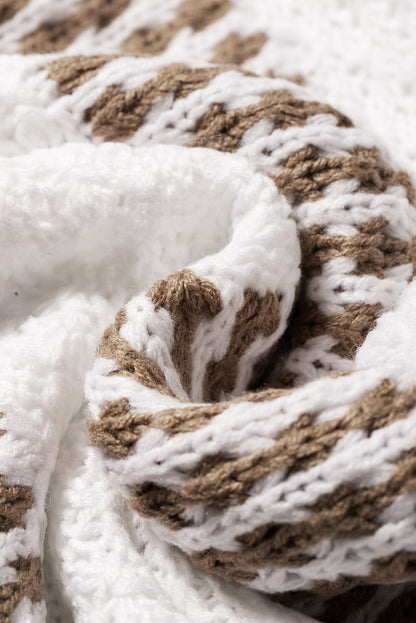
x=208 y=312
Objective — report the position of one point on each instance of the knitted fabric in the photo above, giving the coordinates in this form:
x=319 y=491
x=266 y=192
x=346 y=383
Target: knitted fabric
x=255 y=401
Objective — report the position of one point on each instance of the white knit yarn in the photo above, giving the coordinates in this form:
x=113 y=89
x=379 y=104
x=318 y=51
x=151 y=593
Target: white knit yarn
x=360 y=57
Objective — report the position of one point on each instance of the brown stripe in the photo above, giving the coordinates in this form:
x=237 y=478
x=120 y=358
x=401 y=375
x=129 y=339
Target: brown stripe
x=194 y=14
x=347 y=512
x=235 y=49
x=117 y=114
x=223 y=129
x=130 y=362
x=113 y=431
x=349 y=328
x=258 y=316
x=372 y=249
x=72 y=71
x=187 y=298
x=159 y=503
x=9 y=8
x=306 y=173
x=26 y=585
x=401 y=565
x=15 y=500
x=118 y=428
x=301 y=446
x=56 y=36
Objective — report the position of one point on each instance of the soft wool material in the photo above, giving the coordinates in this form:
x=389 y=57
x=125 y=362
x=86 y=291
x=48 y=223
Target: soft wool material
x=251 y=409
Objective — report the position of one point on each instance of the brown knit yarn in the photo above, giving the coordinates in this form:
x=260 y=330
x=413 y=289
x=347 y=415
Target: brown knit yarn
x=159 y=503
x=119 y=427
x=116 y=115
x=372 y=249
x=235 y=49
x=306 y=173
x=130 y=362
x=257 y=316
x=223 y=129
x=70 y=72
x=55 y=36
x=186 y=297
x=15 y=500
x=26 y=585
x=9 y=8
x=194 y=14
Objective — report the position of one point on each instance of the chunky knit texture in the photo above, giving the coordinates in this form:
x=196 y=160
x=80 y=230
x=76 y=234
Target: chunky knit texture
x=254 y=402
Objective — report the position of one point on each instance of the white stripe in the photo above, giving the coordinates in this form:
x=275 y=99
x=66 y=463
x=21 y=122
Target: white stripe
x=337 y=286
x=320 y=131
x=342 y=205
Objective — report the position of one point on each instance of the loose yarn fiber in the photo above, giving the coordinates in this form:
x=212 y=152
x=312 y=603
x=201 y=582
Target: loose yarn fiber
x=255 y=401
